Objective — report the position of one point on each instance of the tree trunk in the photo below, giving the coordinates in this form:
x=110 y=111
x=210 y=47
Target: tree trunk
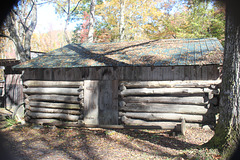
x=20 y=24
x=66 y=22
x=227 y=131
x=91 y=22
x=122 y=24
x=29 y=32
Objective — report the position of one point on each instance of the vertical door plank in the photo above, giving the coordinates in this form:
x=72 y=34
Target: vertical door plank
x=108 y=111
x=91 y=101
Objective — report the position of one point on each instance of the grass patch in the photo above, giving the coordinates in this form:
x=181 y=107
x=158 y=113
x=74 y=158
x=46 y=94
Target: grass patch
x=10 y=122
x=203 y=153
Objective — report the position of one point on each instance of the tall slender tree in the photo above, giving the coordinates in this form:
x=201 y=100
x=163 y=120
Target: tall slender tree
x=67 y=8
x=91 y=21
x=122 y=23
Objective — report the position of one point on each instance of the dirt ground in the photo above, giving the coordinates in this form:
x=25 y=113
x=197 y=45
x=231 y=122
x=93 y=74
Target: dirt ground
x=40 y=143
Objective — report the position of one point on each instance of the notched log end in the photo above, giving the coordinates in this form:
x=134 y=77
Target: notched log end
x=121 y=104
x=122 y=87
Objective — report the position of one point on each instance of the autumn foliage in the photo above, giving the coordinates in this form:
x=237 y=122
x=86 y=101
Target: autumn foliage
x=146 y=20
x=143 y=20
x=84 y=31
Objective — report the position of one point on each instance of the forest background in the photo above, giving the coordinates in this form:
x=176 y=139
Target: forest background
x=129 y=20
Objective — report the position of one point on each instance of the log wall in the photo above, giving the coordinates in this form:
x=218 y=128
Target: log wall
x=129 y=96
x=167 y=103
x=54 y=102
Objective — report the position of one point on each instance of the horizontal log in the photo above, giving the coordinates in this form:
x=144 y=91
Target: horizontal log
x=80 y=123
x=164 y=91
x=120 y=126
x=61 y=91
x=54 y=105
x=176 y=126
x=171 y=84
x=164 y=99
x=62 y=84
x=163 y=116
x=162 y=125
x=55 y=110
x=55 y=98
x=55 y=122
x=164 y=108
x=54 y=115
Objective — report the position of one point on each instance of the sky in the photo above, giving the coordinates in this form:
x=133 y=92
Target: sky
x=48 y=20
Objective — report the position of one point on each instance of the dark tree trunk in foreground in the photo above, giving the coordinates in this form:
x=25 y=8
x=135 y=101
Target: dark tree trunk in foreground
x=227 y=131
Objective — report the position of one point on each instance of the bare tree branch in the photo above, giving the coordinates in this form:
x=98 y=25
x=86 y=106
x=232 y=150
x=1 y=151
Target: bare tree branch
x=61 y=7
x=9 y=37
x=76 y=7
x=20 y=18
x=29 y=12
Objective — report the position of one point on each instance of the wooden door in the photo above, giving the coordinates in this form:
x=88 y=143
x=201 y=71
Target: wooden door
x=108 y=102
x=101 y=102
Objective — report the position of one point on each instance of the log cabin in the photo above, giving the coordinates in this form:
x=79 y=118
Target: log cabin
x=158 y=83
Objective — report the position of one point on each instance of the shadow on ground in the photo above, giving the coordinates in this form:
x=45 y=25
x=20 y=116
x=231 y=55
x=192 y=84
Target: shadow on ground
x=83 y=143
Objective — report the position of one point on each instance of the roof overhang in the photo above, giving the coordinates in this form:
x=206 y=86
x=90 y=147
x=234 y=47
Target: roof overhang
x=9 y=62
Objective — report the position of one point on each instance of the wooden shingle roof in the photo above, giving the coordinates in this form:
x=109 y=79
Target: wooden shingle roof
x=146 y=53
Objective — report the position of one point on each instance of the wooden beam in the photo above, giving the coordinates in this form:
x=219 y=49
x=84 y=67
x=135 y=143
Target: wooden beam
x=91 y=102
x=54 y=115
x=163 y=116
x=56 y=122
x=164 y=108
x=55 y=98
x=79 y=123
x=62 y=84
x=163 y=91
x=171 y=84
x=166 y=99
x=62 y=91
x=54 y=105
x=162 y=125
x=55 y=110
